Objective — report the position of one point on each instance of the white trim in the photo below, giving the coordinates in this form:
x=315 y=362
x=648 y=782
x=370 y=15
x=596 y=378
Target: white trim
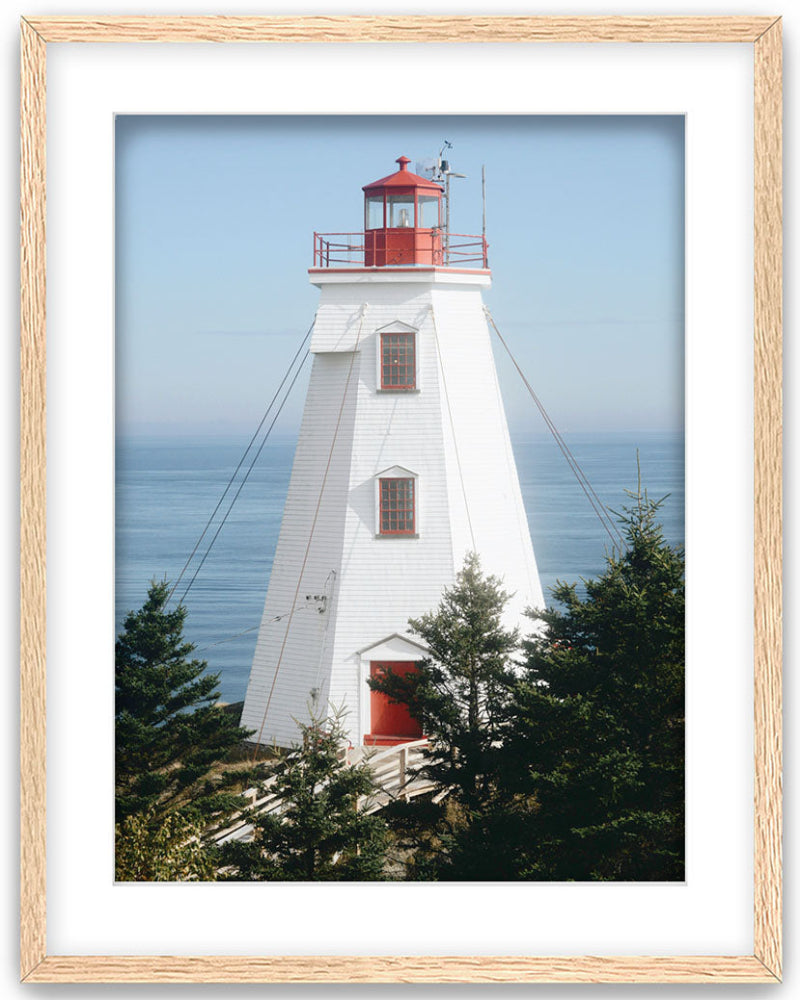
x=392 y=635
x=397 y=326
x=385 y=275
x=397 y=472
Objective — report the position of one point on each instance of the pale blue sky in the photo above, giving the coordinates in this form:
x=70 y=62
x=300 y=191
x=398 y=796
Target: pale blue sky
x=215 y=217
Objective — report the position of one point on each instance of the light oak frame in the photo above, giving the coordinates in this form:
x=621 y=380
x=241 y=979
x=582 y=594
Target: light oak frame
x=764 y=965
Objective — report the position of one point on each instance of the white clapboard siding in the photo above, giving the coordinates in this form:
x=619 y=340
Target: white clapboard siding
x=450 y=434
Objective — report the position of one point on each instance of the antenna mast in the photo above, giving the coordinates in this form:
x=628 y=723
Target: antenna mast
x=445 y=173
x=441 y=173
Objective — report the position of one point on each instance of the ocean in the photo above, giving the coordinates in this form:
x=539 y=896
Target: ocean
x=166 y=490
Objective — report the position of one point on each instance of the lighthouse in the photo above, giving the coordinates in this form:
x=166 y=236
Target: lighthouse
x=403 y=466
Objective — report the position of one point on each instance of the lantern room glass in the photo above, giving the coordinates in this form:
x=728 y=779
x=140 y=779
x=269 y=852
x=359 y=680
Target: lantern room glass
x=400 y=211
x=428 y=211
x=374 y=212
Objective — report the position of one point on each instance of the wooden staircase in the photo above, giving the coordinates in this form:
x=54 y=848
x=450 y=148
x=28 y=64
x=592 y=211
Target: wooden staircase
x=392 y=769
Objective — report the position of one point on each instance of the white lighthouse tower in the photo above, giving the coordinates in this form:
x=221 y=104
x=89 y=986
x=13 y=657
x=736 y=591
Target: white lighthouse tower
x=403 y=466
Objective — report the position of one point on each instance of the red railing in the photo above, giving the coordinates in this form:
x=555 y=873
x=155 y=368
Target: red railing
x=435 y=247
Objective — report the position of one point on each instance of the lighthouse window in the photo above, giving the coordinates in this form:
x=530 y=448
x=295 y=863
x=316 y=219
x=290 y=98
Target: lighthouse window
x=397 y=507
x=400 y=211
x=374 y=218
x=398 y=361
x=428 y=211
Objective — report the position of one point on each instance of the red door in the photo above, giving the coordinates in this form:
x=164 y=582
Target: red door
x=390 y=721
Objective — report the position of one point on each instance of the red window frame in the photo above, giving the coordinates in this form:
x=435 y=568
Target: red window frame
x=397 y=507
x=398 y=361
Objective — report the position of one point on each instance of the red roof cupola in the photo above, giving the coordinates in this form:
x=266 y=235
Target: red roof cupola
x=402 y=220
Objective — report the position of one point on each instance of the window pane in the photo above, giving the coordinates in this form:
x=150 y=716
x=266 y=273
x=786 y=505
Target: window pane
x=428 y=211
x=400 y=211
x=374 y=212
x=398 y=362
x=397 y=515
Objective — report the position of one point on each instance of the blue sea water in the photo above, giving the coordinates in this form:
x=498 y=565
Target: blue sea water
x=166 y=490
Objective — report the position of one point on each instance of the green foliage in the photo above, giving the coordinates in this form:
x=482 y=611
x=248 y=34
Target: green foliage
x=595 y=746
x=320 y=830
x=460 y=695
x=169 y=731
x=569 y=766
x=165 y=850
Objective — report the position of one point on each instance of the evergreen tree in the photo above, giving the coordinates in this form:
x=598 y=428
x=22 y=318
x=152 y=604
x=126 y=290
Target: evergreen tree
x=170 y=732
x=460 y=695
x=319 y=829
x=594 y=751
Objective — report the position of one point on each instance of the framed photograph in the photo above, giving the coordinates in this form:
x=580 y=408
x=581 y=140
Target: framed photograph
x=138 y=133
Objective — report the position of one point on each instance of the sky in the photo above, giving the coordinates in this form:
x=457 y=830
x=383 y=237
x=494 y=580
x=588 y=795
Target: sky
x=214 y=223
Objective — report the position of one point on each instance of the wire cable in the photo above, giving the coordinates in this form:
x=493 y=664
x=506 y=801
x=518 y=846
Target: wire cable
x=230 y=638
x=597 y=504
x=241 y=462
x=237 y=635
x=452 y=428
x=244 y=480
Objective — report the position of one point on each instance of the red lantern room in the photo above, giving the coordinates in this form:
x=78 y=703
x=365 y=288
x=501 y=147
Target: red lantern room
x=402 y=220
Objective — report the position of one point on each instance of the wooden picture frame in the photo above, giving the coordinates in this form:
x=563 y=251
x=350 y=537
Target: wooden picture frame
x=764 y=964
